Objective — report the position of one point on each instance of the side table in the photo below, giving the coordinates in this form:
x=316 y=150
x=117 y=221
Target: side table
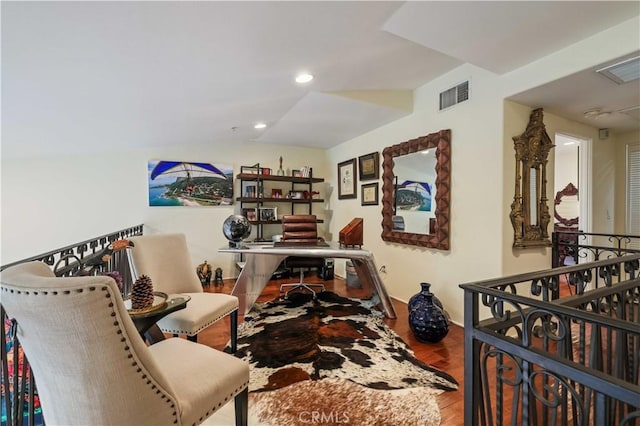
x=146 y=323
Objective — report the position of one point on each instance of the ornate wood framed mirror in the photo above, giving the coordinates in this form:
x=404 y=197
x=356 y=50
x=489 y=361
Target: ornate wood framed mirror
x=529 y=211
x=567 y=207
x=416 y=191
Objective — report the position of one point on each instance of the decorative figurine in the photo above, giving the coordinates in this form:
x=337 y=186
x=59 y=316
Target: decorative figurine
x=280 y=171
x=218 y=278
x=204 y=273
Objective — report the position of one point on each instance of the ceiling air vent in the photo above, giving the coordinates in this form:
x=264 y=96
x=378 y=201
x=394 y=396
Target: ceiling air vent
x=454 y=96
x=622 y=72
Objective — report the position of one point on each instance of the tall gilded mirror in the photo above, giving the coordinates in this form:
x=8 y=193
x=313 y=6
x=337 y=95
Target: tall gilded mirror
x=416 y=184
x=529 y=211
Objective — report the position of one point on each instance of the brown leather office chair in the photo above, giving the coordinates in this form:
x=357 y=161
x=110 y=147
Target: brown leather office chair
x=302 y=230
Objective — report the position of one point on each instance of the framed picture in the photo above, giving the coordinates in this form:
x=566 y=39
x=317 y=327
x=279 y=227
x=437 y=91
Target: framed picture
x=369 y=166
x=296 y=173
x=276 y=193
x=369 y=196
x=189 y=184
x=347 y=179
x=268 y=214
x=250 y=214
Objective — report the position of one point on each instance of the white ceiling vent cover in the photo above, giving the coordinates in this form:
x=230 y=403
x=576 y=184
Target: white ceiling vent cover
x=455 y=95
x=622 y=72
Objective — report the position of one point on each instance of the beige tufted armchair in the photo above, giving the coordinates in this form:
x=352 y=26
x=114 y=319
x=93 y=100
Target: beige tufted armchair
x=165 y=259
x=92 y=367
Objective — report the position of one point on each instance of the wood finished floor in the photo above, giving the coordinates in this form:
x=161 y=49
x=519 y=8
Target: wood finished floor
x=447 y=355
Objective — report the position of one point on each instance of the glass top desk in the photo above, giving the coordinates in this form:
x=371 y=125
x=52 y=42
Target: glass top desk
x=262 y=260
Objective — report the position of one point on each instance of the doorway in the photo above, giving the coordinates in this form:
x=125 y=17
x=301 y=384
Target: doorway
x=572 y=183
x=573 y=165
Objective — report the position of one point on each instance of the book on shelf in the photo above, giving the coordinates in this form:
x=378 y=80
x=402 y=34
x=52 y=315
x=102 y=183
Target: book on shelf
x=251 y=191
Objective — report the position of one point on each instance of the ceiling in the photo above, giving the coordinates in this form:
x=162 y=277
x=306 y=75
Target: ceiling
x=78 y=76
x=587 y=90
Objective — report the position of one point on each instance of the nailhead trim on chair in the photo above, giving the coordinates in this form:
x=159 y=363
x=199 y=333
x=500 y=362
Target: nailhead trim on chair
x=227 y=398
x=143 y=376
x=189 y=333
x=119 y=331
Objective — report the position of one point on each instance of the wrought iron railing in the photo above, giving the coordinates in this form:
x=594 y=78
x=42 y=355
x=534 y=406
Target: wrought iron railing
x=542 y=360
x=20 y=404
x=571 y=247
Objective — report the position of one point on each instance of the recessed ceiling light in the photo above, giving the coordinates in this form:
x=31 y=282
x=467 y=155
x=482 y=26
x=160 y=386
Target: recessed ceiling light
x=304 y=78
x=259 y=126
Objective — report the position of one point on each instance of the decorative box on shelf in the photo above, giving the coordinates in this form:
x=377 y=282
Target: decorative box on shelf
x=351 y=235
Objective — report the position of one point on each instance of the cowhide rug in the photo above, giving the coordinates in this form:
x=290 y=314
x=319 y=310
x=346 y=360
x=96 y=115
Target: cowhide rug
x=336 y=402
x=342 y=402
x=293 y=340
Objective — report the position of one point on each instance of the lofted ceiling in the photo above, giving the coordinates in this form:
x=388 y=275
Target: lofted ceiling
x=78 y=76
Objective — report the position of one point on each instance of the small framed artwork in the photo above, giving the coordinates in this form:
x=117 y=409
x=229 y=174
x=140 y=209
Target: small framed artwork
x=347 y=179
x=276 y=193
x=369 y=166
x=296 y=173
x=250 y=214
x=268 y=214
x=369 y=196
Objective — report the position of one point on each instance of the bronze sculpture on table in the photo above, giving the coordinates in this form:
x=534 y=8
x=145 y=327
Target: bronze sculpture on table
x=218 y=277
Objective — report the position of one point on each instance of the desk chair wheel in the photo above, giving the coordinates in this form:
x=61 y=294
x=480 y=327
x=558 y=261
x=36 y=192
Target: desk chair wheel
x=301 y=285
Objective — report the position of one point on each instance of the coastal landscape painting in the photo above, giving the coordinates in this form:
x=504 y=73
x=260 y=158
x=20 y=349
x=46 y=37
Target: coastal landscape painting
x=413 y=195
x=180 y=183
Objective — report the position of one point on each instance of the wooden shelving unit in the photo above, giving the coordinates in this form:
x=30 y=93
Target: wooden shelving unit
x=299 y=184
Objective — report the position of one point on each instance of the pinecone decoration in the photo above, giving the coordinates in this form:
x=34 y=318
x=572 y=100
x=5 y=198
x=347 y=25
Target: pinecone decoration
x=142 y=293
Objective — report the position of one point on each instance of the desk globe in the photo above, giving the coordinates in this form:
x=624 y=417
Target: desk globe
x=236 y=228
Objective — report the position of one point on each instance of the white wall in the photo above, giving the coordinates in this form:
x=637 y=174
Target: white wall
x=51 y=202
x=48 y=203
x=475 y=203
x=566 y=161
x=602 y=47
x=483 y=171
x=516 y=118
x=601 y=196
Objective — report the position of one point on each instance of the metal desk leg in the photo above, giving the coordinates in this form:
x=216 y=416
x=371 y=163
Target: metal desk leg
x=253 y=278
x=368 y=276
